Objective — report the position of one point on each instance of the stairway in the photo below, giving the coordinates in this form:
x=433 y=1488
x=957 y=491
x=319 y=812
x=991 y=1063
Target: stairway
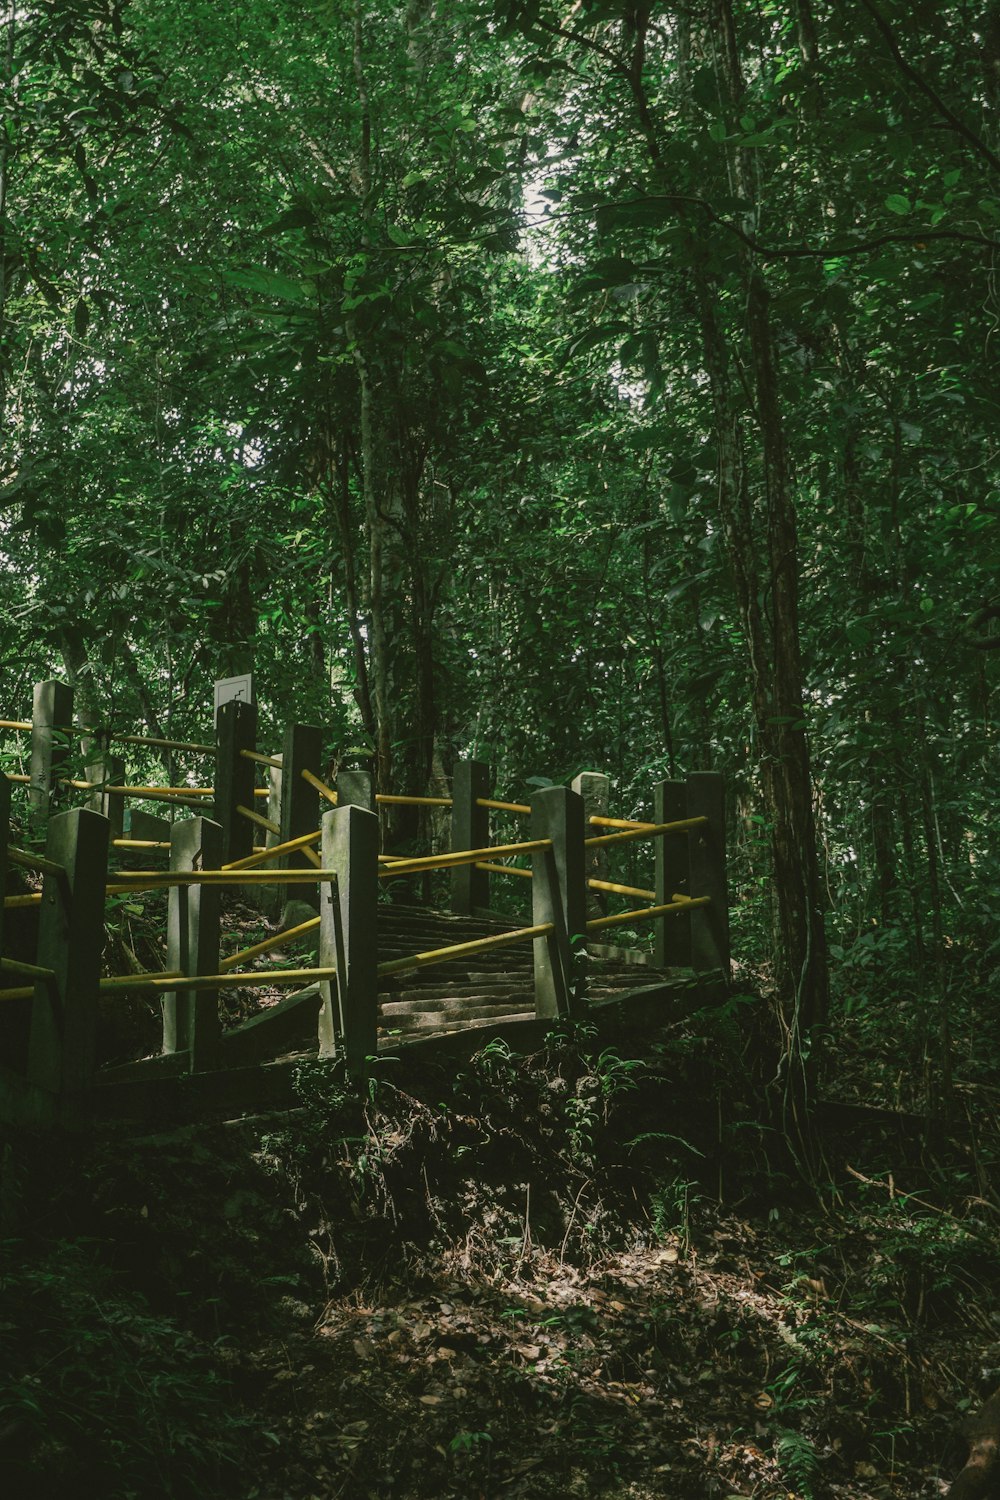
x=478 y=990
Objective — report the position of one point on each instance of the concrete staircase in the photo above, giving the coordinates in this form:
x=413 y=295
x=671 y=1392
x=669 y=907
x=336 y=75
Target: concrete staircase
x=475 y=991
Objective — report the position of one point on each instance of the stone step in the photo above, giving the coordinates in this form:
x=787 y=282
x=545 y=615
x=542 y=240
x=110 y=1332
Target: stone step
x=453 y=1004
x=440 y=1020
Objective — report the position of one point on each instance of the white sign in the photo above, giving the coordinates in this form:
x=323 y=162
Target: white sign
x=232 y=689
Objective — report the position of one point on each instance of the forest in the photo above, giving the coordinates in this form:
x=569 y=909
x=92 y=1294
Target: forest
x=567 y=385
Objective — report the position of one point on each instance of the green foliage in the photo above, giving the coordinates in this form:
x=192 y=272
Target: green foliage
x=94 y=1382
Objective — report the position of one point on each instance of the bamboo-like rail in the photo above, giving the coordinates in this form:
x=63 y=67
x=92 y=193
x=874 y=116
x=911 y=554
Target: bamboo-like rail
x=321 y=787
x=258 y=818
x=512 y=807
x=28 y=861
x=462 y=857
x=275 y=851
x=503 y=869
x=685 y=903
x=278 y=940
x=462 y=950
x=151 y=880
x=648 y=831
x=621 y=890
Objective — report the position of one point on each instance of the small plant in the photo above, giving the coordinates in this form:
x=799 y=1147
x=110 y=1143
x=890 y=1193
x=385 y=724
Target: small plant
x=798 y=1460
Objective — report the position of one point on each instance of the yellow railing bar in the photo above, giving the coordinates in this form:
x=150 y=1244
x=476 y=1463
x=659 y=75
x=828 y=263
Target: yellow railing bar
x=278 y=941
x=142 y=739
x=151 y=880
x=647 y=911
x=504 y=869
x=120 y=982
x=32 y=898
x=321 y=787
x=621 y=890
x=600 y=822
x=649 y=830
x=231 y=981
x=313 y=858
x=29 y=861
x=163 y=793
x=275 y=851
x=515 y=807
x=459 y=950
x=30 y=971
x=15 y=724
x=258 y=818
x=23 y=780
x=261 y=791
x=414 y=801
x=262 y=760
x=137 y=844
x=463 y=857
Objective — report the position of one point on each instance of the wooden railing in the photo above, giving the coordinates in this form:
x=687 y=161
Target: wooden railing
x=687 y=902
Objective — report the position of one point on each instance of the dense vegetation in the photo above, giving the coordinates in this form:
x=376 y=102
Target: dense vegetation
x=600 y=385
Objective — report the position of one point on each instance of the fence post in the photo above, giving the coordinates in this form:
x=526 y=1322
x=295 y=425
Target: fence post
x=672 y=932
x=191 y=1017
x=595 y=789
x=354 y=789
x=61 y=1048
x=558 y=895
x=707 y=855
x=4 y=841
x=51 y=730
x=302 y=750
x=109 y=770
x=235 y=776
x=470 y=829
x=348 y=909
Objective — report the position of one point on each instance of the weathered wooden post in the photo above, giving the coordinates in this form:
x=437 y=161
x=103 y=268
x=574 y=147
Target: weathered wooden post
x=191 y=1017
x=470 y=829
x=51 y=732
x=672 y=932
x=558 y=895
x=348 y=908
x=107 y=769
x=61 y=1049
x=354 y=789
x=302 y=750
x=236 y=730
x=706 y=797
x=595 y=789
x=4 y=841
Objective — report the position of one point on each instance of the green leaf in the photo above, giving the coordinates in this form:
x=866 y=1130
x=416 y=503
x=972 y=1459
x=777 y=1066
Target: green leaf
x=717 y=130
x=897 y=204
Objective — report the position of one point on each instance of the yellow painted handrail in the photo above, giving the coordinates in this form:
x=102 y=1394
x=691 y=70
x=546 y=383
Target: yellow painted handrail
x=462 y=857
x=15 y=724
x=151 y=880
x=156 y=793
x=278 y=941
x=621 y=890
x=504 y=869
x=647 y=911
x=414 y=801
x=32 y=898
x=22 y=780
x=137 y=844
x=119 y=982
x=261 y=760
x=28 y=861
x=601 y=822
x=258 y=818
x=321 y=787
x=650 y=830
x=460 y=950
x=263 y=856
x=514 y=807
x=30 y=971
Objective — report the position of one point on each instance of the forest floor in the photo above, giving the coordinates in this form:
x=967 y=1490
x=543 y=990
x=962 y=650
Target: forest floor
x=593 y=1271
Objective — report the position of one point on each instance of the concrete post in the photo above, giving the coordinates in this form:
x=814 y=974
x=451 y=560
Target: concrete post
x=706 y=797
x=109 y=770
x=4 y=841
x=672 y=933
x=558 y=895
x=348 y=908
x=61 y=1050
x=235 y=777
x=595 y=789
x=191 y=1017
x=354 y=789
x=470 y=829
x=302 y=750
x=51 y=732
